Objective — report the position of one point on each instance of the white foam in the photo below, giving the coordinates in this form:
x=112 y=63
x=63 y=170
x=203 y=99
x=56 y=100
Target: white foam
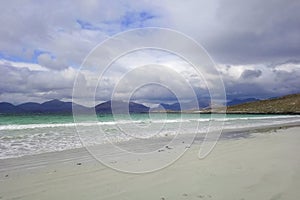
x=48 y=138
x=179 y=120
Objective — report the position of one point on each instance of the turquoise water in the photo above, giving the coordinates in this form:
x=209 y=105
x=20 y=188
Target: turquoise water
x=33 y=134
x=59 y=119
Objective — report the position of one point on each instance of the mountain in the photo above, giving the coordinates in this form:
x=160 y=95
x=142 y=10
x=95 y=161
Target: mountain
x=289 y=104
x=240 y=101
x=30 y=107
x=204 y=102
x=53 y=106
x=57 y=106
x=170 y=107
x=185 y=106
x=121 y=107
x=8 y=108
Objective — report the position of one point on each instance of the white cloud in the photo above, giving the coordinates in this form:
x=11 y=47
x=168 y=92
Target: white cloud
x=30 y=66
x=53 y=28
x=43 y=43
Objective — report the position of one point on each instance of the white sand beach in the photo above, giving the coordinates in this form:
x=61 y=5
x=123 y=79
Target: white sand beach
x=264 y=165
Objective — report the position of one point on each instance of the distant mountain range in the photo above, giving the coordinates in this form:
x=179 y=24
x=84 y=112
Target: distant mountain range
x=289 y=104
x=121 y=107
x=184 y=106
x=57 y=106
x=240 y=101
x=202 y=104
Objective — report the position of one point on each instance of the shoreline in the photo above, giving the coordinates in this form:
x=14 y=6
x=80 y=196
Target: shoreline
x=226 y=112
x=260 y=163
x=245 y=131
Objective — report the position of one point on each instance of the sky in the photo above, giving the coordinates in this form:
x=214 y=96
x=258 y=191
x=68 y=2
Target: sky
x=254 y=44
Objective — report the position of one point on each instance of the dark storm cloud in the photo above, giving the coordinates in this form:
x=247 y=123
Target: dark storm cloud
x=246 y=90
x=247 y=74
x=268 y=82
x=256 y=31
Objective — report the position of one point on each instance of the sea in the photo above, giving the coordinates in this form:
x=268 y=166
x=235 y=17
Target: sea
x=22 y=135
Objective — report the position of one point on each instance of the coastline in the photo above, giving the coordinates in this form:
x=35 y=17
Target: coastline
x=226 y=112
x=263 y=166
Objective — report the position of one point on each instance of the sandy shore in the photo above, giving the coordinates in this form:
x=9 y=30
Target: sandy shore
x=258 y=165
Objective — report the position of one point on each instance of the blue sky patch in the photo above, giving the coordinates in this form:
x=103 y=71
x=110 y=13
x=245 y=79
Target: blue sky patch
x=14 y=58
x=135 y=19
x=86 y=25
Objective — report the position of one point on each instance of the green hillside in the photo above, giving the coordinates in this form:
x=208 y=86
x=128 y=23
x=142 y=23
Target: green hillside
x=289 y=104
